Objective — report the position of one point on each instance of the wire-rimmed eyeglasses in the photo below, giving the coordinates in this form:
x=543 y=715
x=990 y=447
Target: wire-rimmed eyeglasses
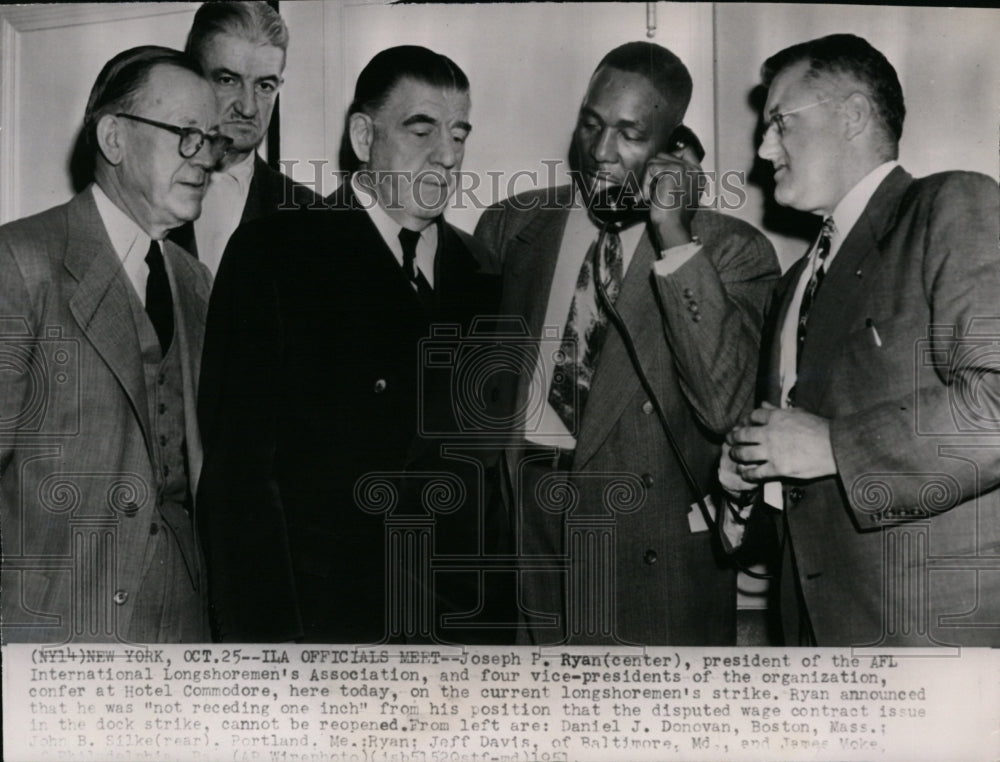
x=777 y=120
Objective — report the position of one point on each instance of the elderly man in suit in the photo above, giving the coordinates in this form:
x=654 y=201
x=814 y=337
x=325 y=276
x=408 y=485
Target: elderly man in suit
x=314 y=330
x=878 y=437
x=690 y=287
x=242 y=47
x=99 y=449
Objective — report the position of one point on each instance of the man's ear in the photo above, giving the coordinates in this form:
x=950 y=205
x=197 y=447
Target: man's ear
x=110 y=139
x=858 y=109
x=362 y=130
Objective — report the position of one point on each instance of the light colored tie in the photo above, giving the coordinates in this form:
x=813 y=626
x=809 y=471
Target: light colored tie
x=586 y=329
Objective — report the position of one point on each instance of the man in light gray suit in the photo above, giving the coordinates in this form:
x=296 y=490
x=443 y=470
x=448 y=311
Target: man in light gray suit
x=624 y=558
x=102 y=323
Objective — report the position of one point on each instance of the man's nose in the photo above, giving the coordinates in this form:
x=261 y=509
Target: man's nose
x=605 y=150
x=205 y=158
x=447 y=152
x=769 y=148
x=245 y=103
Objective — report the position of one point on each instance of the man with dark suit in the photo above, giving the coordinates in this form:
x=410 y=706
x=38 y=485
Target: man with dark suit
x=242 y=47
x=103 y=323
x=879 y=435
x=690 y=289
x=314 y=333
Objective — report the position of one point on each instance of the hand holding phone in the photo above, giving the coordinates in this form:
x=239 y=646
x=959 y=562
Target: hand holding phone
x=677 y=167
x=670 y=183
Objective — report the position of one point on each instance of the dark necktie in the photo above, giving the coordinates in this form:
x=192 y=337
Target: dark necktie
x=409 y=239
x=159 y=305
x=586 y=328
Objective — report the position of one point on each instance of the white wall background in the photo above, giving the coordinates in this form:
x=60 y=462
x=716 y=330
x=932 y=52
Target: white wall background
x=528 y=64
x=947 y=59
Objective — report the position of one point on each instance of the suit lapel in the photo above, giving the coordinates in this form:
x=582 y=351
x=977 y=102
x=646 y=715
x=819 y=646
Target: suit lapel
x=191 y=305
x=531 y=264
x=259 y=200
x=615 y=380
x=772 y=386
x=845 y=287
x=100 y=304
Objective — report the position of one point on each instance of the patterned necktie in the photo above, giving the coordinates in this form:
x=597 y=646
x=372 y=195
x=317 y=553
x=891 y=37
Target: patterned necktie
x=159 y=305
x=822 y=251
x=408 y=239
x=586 y=328
x=812 y=287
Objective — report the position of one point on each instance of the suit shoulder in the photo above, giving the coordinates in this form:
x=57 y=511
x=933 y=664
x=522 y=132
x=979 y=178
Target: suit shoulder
x=710 y=224
x=476 y=248
x=957 y=182
x=553 y=197
x=301 y=196
x=35 y=243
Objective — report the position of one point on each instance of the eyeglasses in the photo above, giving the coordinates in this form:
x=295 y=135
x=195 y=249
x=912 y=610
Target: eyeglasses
x=191 y=138
x=777 y=120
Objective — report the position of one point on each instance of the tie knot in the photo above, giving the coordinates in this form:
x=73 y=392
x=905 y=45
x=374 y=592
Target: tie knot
x=409 y=238
x=825 y=238
x=154 y=257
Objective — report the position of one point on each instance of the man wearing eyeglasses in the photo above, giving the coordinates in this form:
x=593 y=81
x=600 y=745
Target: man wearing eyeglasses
x=878 y=439
x=103 y=322
x=242 y=47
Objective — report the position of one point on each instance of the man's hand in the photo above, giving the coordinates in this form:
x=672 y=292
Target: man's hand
x=781 y=444
x=674 y=198
x=729 y=475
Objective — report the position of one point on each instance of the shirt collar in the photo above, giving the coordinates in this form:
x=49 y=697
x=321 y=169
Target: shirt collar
x=241 y=171
x=849 y=210
x=387 y=227
x=125 y=234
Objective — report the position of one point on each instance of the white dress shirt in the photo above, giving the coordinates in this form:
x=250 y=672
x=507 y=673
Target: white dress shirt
x=130 y=242
x=389 y=229
x=222 y=210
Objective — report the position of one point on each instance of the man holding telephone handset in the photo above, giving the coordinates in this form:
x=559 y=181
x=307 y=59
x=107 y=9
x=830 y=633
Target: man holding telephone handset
x=662 y=345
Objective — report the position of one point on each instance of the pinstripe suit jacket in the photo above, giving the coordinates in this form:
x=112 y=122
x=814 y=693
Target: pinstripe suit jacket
x=668 y=583
x=77 y=477
x=902 y=547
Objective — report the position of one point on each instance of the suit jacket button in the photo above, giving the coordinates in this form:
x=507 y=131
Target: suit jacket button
x=647 y=480
x=647 y=407
x=688 y=293
x=696 y=317
x=649 y=557
x=380 y=386
x=795 y=494
x=120 y=597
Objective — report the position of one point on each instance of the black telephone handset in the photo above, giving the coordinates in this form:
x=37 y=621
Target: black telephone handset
x=623 y=204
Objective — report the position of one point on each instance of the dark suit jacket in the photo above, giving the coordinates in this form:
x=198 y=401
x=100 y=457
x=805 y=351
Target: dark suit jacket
x=314 y=345
x=902 y=547
x=269 y=192
x=697 y=334
x=76 y=459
